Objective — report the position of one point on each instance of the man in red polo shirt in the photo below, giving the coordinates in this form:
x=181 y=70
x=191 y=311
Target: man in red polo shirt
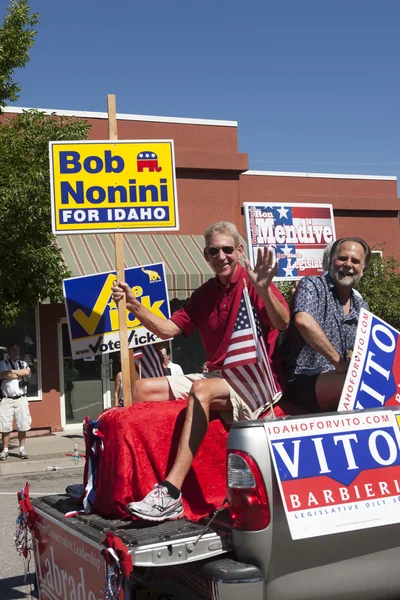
x=213 y=309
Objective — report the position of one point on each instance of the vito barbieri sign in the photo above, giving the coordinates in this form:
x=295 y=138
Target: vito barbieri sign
x=113 y=186
x=373 y=376
x=337 y=472
x=298 y=232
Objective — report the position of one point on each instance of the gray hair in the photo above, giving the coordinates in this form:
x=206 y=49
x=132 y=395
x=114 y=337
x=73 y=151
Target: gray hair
x=222 y=227
x=326 y=257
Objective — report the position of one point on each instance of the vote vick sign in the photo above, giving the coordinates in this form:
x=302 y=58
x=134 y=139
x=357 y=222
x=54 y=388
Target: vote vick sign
x=124 y=185
x=373 y=377
x=337 y=472
x=93 y=320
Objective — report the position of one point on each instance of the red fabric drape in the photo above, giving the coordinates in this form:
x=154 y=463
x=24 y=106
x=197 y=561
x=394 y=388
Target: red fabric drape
x=140 y=445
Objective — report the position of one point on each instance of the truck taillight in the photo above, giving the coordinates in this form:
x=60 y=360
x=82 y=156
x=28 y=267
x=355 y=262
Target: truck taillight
x=246 y=493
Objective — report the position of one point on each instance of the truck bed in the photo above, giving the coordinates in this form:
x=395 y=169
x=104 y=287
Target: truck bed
x=149 y=544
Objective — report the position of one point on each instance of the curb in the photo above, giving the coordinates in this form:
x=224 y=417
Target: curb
x=11 y=467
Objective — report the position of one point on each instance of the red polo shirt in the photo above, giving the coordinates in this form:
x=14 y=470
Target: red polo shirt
x=210 y=311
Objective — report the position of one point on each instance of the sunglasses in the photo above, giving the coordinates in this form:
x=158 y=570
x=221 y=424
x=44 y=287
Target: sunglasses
x=213 y=251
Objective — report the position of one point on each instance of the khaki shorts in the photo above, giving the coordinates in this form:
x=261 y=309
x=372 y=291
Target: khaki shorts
x=181 y=385
x=18 y=408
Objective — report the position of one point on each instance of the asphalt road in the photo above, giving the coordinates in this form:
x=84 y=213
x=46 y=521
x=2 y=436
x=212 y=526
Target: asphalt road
x=12 y=570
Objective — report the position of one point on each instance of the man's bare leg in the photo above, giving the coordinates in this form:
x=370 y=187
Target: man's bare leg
x=205 y=395
x=152 y=389
x=328 y=389
x=6 y=439
x=4 y=452
x=165 y=500
x=22 y=439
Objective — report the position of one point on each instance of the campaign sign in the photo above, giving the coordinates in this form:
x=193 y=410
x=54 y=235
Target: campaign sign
x=298 y=232
x=126 y=185
x=93 y=315
x=373 y=377
x=66 y=565
x=337 y=473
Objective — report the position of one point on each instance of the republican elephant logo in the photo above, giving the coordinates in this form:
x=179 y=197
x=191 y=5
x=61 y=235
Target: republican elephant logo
x=148 y=160
x=153 y=275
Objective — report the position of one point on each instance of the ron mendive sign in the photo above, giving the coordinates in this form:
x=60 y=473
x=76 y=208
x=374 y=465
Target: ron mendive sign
x=298 y=232
x=124 y=185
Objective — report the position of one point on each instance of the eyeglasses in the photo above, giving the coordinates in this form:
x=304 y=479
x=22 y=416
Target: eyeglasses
x=213 y=251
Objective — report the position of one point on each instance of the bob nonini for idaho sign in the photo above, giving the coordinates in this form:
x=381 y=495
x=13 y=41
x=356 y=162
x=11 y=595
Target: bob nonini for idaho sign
x=93 y=315
x=338 y=472
x=298 y=232
x=113 y=186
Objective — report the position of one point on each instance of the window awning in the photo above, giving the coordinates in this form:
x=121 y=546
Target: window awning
x=182 y=256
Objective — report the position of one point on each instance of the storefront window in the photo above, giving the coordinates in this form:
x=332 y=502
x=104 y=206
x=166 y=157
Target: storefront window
x=26 y=335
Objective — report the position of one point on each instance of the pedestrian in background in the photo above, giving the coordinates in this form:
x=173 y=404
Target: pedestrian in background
x=13 y=402
x=170 y=368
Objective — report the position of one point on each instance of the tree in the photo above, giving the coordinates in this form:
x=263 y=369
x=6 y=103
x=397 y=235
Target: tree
x=31 y=266
x=16 y=39
x=380 y=287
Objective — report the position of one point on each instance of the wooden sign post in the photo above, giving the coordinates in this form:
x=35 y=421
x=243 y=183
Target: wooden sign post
x=82 y=168
x=128 y=373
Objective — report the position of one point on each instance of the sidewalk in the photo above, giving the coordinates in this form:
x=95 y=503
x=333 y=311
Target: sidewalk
x=45 y=451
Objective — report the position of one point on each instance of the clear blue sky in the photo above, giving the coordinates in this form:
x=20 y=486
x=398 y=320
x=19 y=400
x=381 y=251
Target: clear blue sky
x=313 y=84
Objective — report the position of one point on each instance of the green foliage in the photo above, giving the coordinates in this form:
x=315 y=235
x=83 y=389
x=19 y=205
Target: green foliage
x=380 y=287
x=31 y=265
x=285 y=288
x=16 y=39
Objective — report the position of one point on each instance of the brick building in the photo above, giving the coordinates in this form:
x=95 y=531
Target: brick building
x=213 y=181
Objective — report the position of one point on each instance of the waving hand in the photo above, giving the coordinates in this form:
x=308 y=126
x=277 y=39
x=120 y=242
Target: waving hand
x=265 y=269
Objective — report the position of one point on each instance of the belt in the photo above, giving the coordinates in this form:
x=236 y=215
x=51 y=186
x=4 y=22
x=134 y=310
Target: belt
x=15 y=397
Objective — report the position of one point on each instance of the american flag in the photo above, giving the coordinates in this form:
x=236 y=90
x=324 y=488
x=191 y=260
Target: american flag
x=151 y=363
x=246 y=366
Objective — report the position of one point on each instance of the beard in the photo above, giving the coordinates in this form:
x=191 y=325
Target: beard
x=345 y=279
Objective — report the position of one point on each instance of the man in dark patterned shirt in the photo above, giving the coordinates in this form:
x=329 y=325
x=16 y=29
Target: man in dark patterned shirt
x=323 y=328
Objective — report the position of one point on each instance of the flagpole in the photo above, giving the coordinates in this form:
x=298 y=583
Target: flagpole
x=255 y=334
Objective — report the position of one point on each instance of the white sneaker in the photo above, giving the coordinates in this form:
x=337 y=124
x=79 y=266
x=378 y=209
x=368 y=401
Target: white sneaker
x=4 y=455
x=158 y=505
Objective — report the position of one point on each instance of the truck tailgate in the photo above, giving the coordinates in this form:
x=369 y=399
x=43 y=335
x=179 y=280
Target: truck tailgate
x=150 y=545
